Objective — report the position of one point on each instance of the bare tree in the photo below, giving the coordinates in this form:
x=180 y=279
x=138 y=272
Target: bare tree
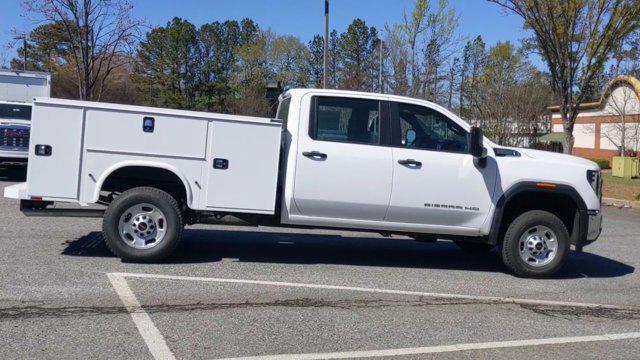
x=575 y=38
x=100 y=35
x=441 y=42
x=622 y=103
x=509 y=97
x=413 y=26
x=395 y=42
x=419 y=46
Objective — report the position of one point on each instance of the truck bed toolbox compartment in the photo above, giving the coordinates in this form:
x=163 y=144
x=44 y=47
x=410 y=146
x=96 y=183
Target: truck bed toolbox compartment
x=225 y=162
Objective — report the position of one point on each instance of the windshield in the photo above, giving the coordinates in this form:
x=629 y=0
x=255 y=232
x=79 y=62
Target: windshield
x=15 y=112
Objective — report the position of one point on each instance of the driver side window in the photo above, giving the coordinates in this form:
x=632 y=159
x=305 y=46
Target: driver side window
x=428 y=129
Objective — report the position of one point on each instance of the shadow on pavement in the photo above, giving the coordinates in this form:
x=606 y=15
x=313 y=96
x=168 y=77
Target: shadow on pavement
x=17 y=174
x=201 y=246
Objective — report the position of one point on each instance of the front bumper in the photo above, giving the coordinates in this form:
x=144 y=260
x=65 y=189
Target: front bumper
x=13 y=157
x=587 y=228
x=594 y=227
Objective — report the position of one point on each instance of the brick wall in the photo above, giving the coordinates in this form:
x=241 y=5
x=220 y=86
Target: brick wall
x=597 y=153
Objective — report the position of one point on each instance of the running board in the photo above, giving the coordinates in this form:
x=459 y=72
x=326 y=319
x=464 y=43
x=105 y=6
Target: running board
x=38 y=208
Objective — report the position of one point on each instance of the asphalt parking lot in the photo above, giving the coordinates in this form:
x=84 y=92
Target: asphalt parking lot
x=274 y=294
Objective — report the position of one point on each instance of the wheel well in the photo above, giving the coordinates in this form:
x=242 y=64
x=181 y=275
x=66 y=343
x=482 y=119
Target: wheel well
x=130 y=177
x=561 y=205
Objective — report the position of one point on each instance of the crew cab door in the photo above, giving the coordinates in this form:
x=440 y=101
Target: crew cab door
x=343 y=171
x=435 y=181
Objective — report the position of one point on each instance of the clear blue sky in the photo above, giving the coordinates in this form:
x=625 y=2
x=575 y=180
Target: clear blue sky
x=302 y=18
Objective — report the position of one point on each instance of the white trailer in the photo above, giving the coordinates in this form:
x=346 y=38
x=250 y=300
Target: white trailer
x=17 y=91
x=331 y=159
x=23 y=86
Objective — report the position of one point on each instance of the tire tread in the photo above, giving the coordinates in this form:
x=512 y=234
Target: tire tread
x=158 y=194
x=511 y=260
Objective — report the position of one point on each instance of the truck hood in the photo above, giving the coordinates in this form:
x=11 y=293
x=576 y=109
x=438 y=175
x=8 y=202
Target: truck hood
x=557 y=158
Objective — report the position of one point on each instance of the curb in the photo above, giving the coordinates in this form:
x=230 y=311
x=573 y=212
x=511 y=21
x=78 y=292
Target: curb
x=621 y=203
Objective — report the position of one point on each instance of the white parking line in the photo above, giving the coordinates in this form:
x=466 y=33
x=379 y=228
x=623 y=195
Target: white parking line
x=444 y=348
x=150 y=333
x=496 y=299
x=159 y=349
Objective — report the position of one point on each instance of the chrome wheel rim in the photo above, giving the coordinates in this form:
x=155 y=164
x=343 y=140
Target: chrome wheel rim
x=142 y=226
x=538 y=246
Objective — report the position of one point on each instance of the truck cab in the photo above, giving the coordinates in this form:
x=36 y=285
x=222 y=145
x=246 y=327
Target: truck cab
x=401 y=164
x=15 y=120
x=330 y=159
x=17 y=90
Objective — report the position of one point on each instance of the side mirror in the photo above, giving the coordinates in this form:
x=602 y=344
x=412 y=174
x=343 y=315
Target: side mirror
x=476 y=147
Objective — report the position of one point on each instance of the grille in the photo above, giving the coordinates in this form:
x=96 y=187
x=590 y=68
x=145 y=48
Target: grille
x=14 y=138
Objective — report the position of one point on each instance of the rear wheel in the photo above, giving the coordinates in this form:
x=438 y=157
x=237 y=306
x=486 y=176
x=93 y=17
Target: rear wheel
x=143 y=225
x=536 y=244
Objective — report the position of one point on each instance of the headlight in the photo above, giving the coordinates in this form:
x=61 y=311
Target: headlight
x=593 y=177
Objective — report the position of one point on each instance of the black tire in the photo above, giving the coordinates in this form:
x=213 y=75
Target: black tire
x=143 y=195
x=511 y=245
x=474 y=247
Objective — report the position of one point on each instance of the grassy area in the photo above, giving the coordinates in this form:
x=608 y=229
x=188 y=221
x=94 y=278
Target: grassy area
x=620 y=188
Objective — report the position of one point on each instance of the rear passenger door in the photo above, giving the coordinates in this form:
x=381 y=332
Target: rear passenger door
x=343 y=168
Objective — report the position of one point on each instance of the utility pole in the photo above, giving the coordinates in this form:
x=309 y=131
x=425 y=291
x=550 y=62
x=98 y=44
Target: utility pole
x=23 y=37
x=380 y=85
x=326 y=45
x=24 y=48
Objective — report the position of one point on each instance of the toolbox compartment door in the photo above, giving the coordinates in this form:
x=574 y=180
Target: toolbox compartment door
x=55 y=175
x=242 y=166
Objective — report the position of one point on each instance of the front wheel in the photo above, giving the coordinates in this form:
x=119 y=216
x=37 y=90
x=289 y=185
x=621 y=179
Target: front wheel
x=535 y=245
x=143 y=225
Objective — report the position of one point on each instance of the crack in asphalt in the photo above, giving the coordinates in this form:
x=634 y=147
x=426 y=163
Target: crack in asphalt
x=578 y=312
x=565 y=312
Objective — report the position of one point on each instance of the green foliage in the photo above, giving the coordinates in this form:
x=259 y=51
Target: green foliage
x=47 y=44
x=217 y=47
x=288 y=60
x=473 y=60
x=180 y=66
x=602 y=163
x=226 y=66
x=504 y=93
x=316 y=61
x=167 y=65
x=356 y=49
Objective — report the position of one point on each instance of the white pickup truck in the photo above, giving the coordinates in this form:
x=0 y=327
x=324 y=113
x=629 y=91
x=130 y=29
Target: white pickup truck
x=331 y=159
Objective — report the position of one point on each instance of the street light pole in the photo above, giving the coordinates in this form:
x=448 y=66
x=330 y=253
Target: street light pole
x=326 y=44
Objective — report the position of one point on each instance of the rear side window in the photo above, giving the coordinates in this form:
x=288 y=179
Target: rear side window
x=18 y=112
x=346 y=120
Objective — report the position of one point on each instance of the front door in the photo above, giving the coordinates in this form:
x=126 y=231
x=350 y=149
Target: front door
x=435 y=181
x=342 y=169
